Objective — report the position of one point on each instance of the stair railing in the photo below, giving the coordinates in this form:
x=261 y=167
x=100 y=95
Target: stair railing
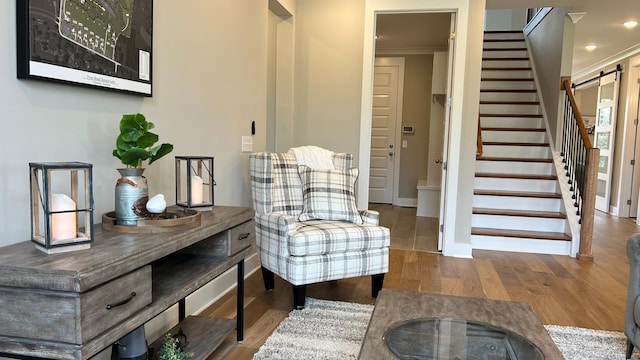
x=580 y=160
x=479 y=139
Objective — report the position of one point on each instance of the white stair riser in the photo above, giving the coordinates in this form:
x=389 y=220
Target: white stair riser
x=513 y=167
x=506 y=63
x=508 y=96
x=535 y=246
x=486 y=183
x=515 y=136
x=507 y=74
x=533 y=123
x=504 y=54
x=509 y=109
x=516 y=43
x=516 y=203
x=507 y=85
x=516 y=35
x=518 y=223
x=516 y=151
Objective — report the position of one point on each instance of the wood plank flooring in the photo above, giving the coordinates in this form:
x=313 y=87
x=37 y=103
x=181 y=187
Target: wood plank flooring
x=560 y=289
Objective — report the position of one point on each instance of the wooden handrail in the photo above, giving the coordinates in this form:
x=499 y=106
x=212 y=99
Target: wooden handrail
x=588 y=193
x=479 y=139
x=566 y=85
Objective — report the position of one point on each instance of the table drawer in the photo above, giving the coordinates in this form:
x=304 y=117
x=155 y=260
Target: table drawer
x=73 y=317
x=241 y=237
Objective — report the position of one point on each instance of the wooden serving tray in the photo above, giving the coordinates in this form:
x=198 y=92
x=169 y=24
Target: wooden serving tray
x=171 y=220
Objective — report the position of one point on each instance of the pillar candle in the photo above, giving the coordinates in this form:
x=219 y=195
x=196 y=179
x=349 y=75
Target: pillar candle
x=197 y=188
x=63 y=226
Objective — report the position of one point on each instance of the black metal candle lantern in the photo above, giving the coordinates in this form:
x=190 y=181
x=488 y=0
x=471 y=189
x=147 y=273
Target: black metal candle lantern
x=194 y=182
x=61 y=206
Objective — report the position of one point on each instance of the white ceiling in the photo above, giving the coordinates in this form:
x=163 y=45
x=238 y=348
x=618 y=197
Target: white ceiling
x=602 y=26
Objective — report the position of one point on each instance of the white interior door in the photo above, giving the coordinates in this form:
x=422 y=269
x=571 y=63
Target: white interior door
x=386 y=113
x=445 y=146
x=604 y=135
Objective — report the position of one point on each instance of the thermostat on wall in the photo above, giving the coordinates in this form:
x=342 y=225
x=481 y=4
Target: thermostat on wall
x=407 y=129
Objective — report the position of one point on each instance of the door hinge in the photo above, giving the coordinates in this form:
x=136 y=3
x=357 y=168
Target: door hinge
x=452 y=36
x=449 y=102
x=635 y=121
x=444 y=165
x=441 y=227
x=629 y=202
x=633 y=162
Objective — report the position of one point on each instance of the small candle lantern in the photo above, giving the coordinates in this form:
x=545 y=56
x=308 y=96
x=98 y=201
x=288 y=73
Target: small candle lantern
x=61 y=206
x=194 y=182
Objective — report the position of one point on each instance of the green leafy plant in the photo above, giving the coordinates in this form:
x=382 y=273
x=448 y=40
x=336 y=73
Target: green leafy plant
x=135 y=143
x=170 y=349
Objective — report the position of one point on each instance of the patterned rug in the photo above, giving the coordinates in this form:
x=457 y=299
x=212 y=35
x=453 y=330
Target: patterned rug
x=326 y=330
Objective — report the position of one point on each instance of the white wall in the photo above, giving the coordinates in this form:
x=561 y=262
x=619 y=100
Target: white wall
x=546 y=43
x=209 y=83
x=328 y=70
x=505 y=19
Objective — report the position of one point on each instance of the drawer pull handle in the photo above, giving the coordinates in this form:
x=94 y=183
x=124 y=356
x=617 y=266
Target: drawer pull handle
x=120 y=303
x=243 y=236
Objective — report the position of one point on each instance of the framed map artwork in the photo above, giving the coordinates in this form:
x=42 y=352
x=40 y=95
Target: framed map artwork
x=97 y=43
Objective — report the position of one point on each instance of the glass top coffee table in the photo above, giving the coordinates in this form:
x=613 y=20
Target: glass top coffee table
x=450 y=338
x=433 y=326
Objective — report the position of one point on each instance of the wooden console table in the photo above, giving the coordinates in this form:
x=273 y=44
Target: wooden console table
x=73 y=305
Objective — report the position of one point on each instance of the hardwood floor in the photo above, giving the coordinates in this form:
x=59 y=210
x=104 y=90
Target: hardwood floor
x=408 y=231
x=560 y=289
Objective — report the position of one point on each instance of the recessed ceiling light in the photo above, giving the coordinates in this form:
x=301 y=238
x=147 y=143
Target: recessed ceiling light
x=590 y=47
x=630 y=24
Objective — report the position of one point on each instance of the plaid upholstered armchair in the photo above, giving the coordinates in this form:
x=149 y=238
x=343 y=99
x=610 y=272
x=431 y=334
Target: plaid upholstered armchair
x=308 y=229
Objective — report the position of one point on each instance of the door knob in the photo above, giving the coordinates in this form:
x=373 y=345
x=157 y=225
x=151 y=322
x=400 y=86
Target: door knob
x=438 y=161
x=390 y=153
x=390 y=146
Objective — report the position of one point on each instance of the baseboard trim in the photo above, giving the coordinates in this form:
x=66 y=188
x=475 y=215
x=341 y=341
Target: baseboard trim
x=407 y=202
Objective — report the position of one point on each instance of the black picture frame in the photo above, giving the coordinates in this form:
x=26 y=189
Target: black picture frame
x=74 y=42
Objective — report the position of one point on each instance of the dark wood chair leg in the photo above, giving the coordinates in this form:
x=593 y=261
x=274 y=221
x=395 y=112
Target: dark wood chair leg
x=299 y=294
x=267 y=276
x=376 y=284
x=629 y=349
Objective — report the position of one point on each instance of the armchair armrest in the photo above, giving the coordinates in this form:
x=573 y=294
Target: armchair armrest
x=275 y=225
x=370 y=217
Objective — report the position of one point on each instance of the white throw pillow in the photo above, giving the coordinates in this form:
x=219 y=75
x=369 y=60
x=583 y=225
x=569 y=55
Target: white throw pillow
x=329 y=194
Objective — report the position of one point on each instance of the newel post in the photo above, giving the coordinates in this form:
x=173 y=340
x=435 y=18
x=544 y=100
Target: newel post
x=588 y=205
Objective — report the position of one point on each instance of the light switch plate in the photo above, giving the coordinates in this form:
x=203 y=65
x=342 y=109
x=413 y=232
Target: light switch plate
x=247 y=144
x=404 y=144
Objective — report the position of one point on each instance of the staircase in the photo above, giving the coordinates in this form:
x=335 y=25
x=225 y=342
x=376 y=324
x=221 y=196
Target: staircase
x=517 y=205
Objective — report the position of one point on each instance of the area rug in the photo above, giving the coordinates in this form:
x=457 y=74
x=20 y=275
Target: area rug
x=326 y=330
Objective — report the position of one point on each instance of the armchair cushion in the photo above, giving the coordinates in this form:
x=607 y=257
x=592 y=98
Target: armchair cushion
x=319 y=237
x=329 y=194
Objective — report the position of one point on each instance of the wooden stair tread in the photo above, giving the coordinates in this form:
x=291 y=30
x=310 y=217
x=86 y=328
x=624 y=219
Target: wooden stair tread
x=520 y=159
x=503 y=31
x=528 y=194
x=503 y=40
x=545 y=235
x=505 y=49
x=504 y=143
x=507 y=102
x=514 y=58
x=505 y=68
x=506 y=79
x=513 y=129
x=525 y=213
x=517 y=176
x=513 y=115
x=509 y=90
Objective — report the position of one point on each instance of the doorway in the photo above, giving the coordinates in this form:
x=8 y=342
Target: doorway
x=462 y=104
x=408 y=123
